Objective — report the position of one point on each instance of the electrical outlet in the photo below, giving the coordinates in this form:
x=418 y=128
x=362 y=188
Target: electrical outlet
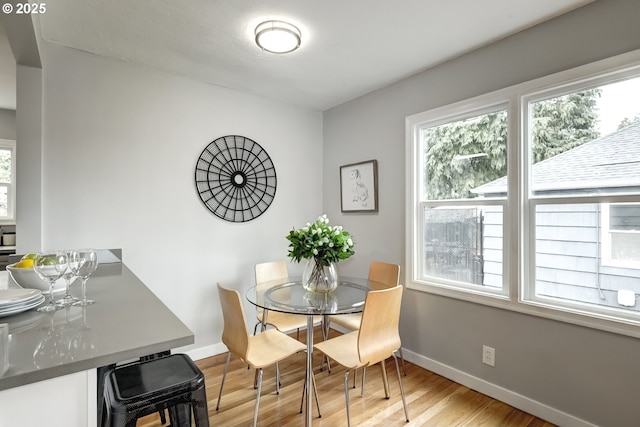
x=488 y=355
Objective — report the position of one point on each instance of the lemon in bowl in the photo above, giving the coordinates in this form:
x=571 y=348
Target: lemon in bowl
x=24 y=263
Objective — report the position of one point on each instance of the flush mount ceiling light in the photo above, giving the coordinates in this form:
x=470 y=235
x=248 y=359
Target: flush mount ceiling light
x=277 y=36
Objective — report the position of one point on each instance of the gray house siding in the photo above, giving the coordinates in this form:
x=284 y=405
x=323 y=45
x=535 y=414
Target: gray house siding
x=567 y=256
x=492 y=244
x=567 y=239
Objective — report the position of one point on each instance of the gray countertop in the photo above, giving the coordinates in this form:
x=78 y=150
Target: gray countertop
x=126 y=322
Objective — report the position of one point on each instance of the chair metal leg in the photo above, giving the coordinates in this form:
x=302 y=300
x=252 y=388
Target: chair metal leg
x=325 y=336
x=255 y=330
x=385 y=379
x=255 y=412
x=324 y=327
x=224 y=375
x=402 y=360
x=277 y=378
x=304 y=389
x=404 y=403
x=262 y=323
x=346 y=396
x=265 y=313
x=364 y=370
x=364 y=374
x=315 y=391
x=263 y=327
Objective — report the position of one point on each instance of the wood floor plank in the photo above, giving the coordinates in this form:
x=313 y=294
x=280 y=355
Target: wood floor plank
x=432 y=400
x=494 y=414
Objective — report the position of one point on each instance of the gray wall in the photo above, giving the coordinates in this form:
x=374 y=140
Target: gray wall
x=587 y=375
x=7 y=124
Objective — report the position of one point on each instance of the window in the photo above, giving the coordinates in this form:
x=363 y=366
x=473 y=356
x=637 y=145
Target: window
x=463 y=235
x=621 y=235
x=7 y=181
x=528 y=198
x=582 y=154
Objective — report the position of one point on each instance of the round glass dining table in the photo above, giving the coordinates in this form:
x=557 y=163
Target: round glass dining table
x=289 y=296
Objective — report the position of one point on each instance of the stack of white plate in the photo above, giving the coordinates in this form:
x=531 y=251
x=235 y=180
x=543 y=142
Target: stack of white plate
x=13 y=301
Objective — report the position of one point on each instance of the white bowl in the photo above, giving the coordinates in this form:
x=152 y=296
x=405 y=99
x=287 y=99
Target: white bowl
x=28 y=278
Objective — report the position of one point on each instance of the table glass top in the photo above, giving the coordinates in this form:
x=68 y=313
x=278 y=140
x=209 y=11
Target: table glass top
x=288 y=296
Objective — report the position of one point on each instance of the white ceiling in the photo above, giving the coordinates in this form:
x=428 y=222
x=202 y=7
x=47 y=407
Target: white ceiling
x=349 y=47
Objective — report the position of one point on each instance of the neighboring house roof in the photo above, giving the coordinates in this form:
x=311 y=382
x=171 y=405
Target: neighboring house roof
x=611 y=161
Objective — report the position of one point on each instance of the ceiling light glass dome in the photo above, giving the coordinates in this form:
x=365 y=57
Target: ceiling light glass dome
x=277 y=36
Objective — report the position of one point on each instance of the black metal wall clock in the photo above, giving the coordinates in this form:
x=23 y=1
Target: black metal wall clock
x=235 y=178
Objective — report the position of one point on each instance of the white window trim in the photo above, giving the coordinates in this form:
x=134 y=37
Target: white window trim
x=10 y=219
x=518 y=225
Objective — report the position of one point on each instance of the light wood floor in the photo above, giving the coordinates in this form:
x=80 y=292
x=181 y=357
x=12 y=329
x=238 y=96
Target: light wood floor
x=432 y=400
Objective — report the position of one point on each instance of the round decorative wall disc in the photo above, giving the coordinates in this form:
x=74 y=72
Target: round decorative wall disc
x=235 y=178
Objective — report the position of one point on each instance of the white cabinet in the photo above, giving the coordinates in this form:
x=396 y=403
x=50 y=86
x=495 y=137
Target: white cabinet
x=67 y=401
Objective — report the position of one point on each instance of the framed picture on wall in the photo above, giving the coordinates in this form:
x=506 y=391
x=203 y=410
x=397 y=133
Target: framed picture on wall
x=359 y=187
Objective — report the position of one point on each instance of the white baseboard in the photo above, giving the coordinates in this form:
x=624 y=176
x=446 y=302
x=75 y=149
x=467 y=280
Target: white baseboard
x=516 y=400
x=208 y=351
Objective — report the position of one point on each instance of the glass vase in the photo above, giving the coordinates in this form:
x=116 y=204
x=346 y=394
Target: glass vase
x=317 y=277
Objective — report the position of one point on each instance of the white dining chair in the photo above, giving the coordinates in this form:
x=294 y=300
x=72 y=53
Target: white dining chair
x=383 y=275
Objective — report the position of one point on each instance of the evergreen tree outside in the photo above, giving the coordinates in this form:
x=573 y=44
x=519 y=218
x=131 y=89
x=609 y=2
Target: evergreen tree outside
x=627 y=121
x=5 y=178
x=5 y=166
x=462 y=155
x=465 y=154
x=563 y=123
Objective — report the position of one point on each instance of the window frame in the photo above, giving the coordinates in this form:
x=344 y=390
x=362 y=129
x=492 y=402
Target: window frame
x=448 y=114
x=435 y=117
x=520 y=204
x=8 y=144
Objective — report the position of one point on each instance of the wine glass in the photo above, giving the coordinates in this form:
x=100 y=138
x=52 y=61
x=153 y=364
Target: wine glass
x=83 y=263
x=69 y=277
x=50 y=266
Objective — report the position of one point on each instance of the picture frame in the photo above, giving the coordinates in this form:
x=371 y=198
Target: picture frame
x=359 y=187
